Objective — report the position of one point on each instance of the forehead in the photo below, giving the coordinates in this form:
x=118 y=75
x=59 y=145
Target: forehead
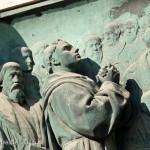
x=111 y=28
x=26 y=52
x=13 y=70
x=130 y=23
x=63 y=44
x=93 y=41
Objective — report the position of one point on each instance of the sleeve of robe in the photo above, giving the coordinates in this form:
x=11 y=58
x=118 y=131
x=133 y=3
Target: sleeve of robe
x=89 y=114
x=9 y=139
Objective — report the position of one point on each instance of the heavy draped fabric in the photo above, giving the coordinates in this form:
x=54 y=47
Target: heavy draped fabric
x=78 y=116
x=18 y=129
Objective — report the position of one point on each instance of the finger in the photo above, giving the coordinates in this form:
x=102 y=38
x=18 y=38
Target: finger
x=106 y=66
x=102 y=67
x=111 y=68
x=115 y=68
x=110 y=65
x=102 y=73
x=101 y=79
x=102 y=70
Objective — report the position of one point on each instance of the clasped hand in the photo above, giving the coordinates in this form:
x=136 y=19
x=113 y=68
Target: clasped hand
x=108 y=73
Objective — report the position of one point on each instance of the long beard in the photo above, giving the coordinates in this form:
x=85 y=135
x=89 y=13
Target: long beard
x=17 y=96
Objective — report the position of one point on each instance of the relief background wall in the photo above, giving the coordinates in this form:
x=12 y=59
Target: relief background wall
x=70 y=22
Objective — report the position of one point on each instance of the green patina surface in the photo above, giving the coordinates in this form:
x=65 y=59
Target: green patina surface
x=75 y=110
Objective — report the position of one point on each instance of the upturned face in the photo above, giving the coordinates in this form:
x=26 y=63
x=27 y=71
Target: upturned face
x=110 y=36
x=12 y=85
x=67 y=54
x=26 y=60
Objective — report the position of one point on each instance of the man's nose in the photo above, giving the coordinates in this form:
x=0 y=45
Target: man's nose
x=97 y=47
x=76 y=50
x=108 y=36
x=16 y=79
x=29 y=60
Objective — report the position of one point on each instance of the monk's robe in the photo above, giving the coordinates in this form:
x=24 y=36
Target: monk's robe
x=77 y=115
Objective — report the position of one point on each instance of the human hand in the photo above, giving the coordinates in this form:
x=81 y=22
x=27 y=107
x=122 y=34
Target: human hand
x=108 y=73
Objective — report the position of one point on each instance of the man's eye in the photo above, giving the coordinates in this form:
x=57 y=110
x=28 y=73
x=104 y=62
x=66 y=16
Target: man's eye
x=67 y=48
x=25 y=57
x=11 y=76
x=19 y=75
x=97 y=44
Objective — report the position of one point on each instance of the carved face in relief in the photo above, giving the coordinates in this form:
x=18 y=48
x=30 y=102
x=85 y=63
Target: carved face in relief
x=93 y=49
x=37 y=53
x=66 y=54
x=111 y=34
x=146 y=38
x=47 y=56
x=23 y=56
x=12 y=84
x=46 y=60
x=130 y=30
x=26 y=60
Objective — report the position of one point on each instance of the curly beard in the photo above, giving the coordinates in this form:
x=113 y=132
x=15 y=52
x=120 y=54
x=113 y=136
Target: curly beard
x=17 y=96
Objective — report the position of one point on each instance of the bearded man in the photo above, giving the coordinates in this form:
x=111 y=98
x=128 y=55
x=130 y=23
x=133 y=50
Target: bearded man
x=18 y=128
x=23 y=56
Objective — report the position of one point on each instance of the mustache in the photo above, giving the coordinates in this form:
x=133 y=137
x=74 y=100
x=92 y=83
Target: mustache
x=16 y=86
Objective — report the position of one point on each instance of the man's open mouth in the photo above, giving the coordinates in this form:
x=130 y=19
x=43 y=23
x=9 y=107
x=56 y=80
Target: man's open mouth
x=77 y=56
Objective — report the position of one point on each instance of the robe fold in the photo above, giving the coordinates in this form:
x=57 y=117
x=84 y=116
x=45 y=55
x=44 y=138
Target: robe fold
x=78 y=116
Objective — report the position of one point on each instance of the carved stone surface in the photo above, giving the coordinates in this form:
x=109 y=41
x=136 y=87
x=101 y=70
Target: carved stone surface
x=18 y=125
x=84 y=102
x=91 y=52
x=94 y=96
x=23 y=56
